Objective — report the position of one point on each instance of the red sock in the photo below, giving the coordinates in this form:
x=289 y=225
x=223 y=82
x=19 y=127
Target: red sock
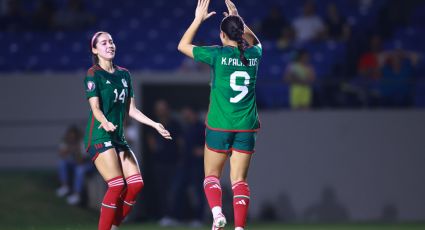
x=134 y=186
x=240 y=203
x=109 y=203
x=212 y=190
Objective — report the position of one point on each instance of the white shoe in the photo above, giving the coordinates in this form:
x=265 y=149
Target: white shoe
x=215 y=228
x=73 y=199
x=62 y=191
x=114 y=227
x=219 y=221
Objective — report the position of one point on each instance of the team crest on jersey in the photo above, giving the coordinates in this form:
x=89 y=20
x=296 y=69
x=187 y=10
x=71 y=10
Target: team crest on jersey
x=90 y=86
x=124 y=83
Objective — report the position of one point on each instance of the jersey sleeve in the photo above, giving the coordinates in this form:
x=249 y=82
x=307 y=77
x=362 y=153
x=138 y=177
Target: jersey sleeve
x=205 y=54
x=91 y=88
x=259 y=49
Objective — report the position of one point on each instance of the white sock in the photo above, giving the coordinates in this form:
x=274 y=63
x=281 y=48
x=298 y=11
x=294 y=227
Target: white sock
x=238 y=228
x=215 y=211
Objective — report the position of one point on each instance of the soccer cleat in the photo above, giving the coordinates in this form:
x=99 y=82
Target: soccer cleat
x=215 y=228
x=219 y=221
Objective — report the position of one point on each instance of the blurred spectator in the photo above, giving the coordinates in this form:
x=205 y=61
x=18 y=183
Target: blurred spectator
x=73 y=165
x=131 y=129
x=13 y=19
x=186 y=185
x=397 y=77
x=273 y=24
x=74 y=16
x=328 y=209
x=43 y=17
x=309 y=26
x=300 y=75
x=286 y=38
x=395 y=14
x=370 y=62
x=337 y=27
x=165 y=155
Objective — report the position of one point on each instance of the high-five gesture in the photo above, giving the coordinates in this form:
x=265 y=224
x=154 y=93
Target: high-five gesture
x=202 y=10
x=231 y=8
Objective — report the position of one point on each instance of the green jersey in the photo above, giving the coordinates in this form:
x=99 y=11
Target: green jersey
x=114 y=91
x=232 y=98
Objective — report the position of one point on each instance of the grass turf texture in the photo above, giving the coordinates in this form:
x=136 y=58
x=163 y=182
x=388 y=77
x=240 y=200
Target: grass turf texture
x=28 y=202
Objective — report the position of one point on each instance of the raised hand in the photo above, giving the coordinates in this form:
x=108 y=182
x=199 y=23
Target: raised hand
x=201 y=11
x=231 y=8
x=161 y=130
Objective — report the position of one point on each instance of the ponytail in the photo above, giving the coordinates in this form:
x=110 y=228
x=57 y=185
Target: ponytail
x=233 y=27
x=242 y=46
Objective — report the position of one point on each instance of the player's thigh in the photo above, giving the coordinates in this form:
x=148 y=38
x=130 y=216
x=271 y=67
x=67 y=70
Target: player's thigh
x=214 y=162
x=243 y=148
x=108 y=165
x=129 y=163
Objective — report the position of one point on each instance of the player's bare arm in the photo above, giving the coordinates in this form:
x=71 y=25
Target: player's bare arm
x=249 y=36
x=201 y=14
x=98 y=114
x=136 y=114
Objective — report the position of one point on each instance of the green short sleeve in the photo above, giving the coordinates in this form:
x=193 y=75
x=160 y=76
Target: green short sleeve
x=259 y=49
x=206 y=54
x=91 y=88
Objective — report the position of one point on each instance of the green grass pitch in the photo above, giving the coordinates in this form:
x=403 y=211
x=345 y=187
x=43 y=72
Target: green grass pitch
x=30 y=204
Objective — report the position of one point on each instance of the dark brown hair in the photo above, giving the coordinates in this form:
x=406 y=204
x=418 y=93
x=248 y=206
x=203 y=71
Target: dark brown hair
x=93 y=42
x=233 y=27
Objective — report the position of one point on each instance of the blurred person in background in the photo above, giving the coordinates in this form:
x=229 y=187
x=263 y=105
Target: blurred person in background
x=14 y=18
x=286 y=38
x=166 y=157
x=74 y=164
x=365 y=87
x=232 y=120
x=397 y=77
x=273 y=24
x=369 y=64
x=109 y=92
x=43 y=16
x=337 y=27
x=309 y=26
x=186 y=186
x=300 y=75
x=73 y=17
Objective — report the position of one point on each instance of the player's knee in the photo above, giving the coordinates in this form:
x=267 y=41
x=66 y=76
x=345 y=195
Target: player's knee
x=135 y=184
x=115 y=188
x=116 y=185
